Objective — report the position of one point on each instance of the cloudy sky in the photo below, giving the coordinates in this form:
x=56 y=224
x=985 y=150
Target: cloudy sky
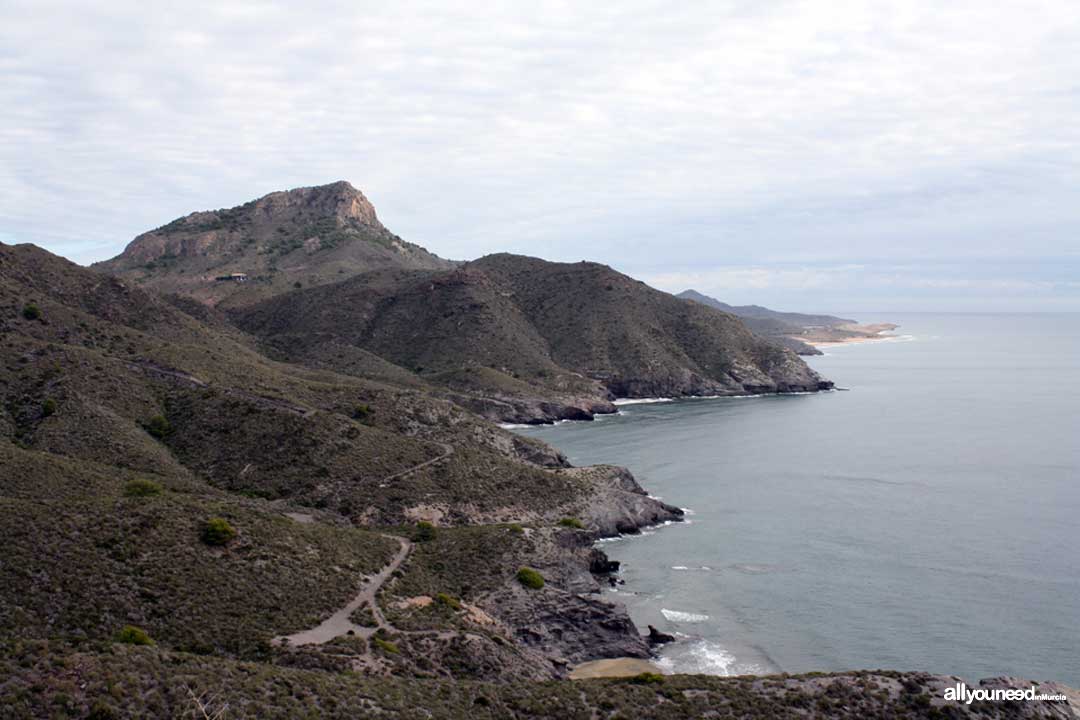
x=823 y=155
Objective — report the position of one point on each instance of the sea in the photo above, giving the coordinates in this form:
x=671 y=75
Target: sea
x=925 y=517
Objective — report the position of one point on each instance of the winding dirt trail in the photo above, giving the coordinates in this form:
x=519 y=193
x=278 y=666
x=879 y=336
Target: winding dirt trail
x=339 y=623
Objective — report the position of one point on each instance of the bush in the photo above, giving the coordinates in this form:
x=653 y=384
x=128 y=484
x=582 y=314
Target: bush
x=385 y=645
x=31 y=311
x=133 y=636
x=425 y=532
x=572 y=522
x=158 y=426
x=48 y=407
x=217 y=531
x=362 y=413
x=142 y=488
x=530 y=578
x=647 y=678
x=515 y=529
x=448 y=601
x=364 y=616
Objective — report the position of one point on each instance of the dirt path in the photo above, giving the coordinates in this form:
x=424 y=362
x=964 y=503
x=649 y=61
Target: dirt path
x=448 y=450
x=339 y=623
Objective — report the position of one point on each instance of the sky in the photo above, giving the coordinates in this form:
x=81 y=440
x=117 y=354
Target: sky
x=822 y=156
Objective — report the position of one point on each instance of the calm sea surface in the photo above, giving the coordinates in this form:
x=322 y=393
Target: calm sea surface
x=928 y=519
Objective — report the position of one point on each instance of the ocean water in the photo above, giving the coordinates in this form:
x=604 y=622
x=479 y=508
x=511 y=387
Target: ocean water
x=926 y=519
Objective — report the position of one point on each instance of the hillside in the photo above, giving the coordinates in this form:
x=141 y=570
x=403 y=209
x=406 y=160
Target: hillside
x=795 y=331
x=127 y=426
x=520 y=339
x=302 y=237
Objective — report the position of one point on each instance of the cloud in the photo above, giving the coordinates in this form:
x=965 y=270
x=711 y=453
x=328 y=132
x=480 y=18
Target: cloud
x=652 y=136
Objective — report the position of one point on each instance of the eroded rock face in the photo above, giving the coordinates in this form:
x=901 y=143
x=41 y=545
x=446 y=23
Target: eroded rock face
x=618 y=504
x=568 y=621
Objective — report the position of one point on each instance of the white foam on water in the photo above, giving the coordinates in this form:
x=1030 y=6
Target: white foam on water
x=706 y=657
x=679 y=567
x=680 y=616
x=513 y=426
x=641 y=401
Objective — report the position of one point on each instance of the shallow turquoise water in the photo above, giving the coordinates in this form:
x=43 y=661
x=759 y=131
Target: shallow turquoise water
x=926 y=519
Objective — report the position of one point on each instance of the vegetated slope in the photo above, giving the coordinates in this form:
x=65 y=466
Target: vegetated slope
x=88 y=377
x=302 y=237
x=522 y=339
x=640 y=341
x=51 y=679
x=107 y=389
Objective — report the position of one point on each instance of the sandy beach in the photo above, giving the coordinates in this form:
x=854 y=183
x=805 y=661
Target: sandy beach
x=612 y=667
x=844 y=334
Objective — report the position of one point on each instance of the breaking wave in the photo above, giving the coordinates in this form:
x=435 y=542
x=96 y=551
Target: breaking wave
x=706 y=657
x=680 y=616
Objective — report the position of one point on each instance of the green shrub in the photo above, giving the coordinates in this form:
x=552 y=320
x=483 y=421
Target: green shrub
x=364 y=616
x=31 y=311
x=647 y=678
x=530 y=578
x=48 y=407
x=362 y=413
x=425 y=532
x=217 y=531
x=385 y=645
x=516 y=529
x=158 y=426
x=448 y=601
x=572 y=522
x=133 y=636
x=142 y=488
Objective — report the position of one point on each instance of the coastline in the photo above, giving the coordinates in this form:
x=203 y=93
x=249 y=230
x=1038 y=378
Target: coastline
x=852 y=341
x=845 y=334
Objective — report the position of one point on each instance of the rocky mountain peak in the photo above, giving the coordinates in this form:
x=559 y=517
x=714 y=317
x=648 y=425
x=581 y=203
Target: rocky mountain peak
x=282 y=241
x=338 y=200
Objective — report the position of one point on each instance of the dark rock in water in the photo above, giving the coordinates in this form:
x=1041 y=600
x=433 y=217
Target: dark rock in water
x=658 y=638
x=600 y=565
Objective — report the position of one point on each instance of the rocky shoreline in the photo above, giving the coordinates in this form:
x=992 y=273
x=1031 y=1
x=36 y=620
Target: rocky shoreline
x=511 y=412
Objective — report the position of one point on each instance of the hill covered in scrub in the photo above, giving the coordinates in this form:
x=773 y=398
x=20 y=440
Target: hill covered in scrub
x=520 y=339
x=316 y=277
x=298 y=238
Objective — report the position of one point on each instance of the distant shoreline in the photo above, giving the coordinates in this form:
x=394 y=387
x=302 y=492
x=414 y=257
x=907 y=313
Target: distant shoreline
x=845 y=334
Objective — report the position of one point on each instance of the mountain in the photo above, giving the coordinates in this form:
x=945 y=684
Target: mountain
x=520 y=339
x=319 y=280
x=794 y=331
x=302 y=237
